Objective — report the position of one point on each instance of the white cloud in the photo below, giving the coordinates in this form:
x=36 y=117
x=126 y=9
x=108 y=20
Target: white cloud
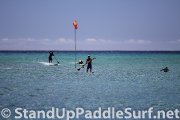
x=36 y=44
x=98 y=41
x=61 y=40
x=105 y=41
x=174 y=42
x=131 y=41
x=140 y=41
x=91 y=40
x=31 y=39
x=45 y=39
x=5 y=39
x=64 y=40
x=91 y=43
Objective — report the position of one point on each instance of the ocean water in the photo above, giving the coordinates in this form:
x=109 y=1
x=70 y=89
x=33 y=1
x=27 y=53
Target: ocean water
x=119 y=79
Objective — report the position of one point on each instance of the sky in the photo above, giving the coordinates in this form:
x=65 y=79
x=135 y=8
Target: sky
x=102 y=24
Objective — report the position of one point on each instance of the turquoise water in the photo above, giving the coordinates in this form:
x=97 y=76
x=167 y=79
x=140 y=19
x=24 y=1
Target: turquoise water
x=120 y=80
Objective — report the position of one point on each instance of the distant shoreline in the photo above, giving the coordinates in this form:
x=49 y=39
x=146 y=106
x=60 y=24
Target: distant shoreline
x=114 y=51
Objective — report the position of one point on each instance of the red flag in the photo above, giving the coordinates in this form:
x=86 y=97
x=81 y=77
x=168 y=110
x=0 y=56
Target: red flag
x=75 y=24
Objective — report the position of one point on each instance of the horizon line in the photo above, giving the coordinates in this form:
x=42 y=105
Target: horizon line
x=91 y=50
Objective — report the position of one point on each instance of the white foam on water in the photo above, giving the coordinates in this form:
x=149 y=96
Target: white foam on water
x=72 y=62
x=6 y=68
x=48 y=64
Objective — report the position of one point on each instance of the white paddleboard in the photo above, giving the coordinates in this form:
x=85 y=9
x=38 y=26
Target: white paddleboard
x=49 y=64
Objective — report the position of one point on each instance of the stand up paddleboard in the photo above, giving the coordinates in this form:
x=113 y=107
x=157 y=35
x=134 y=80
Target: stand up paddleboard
x=52 y=64
x=49 y=64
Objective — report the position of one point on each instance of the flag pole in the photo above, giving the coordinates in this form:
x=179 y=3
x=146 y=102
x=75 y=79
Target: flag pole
x=75 y=45
x=75 y=27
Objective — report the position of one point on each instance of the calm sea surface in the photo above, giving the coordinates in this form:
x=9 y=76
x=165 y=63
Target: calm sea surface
x=119 y=79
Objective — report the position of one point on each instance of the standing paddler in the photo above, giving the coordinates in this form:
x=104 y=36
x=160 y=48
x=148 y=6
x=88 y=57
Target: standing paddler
x=89 y=63
x=50 y=56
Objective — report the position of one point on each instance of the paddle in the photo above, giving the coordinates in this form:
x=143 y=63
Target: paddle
x=56 y=60
x=83 y=65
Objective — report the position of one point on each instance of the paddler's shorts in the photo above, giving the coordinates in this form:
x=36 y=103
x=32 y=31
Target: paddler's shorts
x=89 y=66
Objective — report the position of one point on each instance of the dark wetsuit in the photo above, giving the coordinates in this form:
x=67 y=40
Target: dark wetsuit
x=80 y=62
x=165 y=69
x=89 y=64
x=50 y=56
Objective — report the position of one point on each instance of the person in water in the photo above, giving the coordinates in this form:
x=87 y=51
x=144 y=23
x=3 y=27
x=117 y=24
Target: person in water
x=80 y=62
x=89 y=63
x=50 y=56
x=165 y=69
